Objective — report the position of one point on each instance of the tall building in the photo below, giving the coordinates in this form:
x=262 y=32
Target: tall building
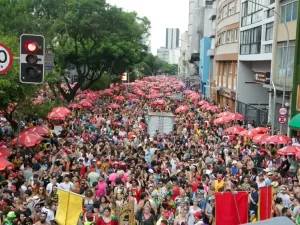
x=183 y=59
x=163 y=54
x=227 y=23
x=172 y=38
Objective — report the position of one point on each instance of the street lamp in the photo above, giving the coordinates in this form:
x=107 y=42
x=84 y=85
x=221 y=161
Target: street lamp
x=286 y=57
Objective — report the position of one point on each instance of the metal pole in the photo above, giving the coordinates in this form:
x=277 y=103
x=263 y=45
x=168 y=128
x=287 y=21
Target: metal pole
x=286 y=57
x=274 y=102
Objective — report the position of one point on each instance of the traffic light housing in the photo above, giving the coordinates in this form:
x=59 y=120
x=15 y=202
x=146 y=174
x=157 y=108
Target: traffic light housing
x=32 y=58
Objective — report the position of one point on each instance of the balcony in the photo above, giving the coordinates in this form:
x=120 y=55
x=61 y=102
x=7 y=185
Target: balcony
x=212 y=33
x=212 y=15
x=211 y=52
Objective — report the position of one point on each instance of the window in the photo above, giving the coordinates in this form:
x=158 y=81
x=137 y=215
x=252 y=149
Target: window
x=282 y=61
x=224 y=37
x=230 y=76
x=224 y=75
x=225 y=11
x=251 y=13
x=235 y=76
x=231 y=8
x=250 y=41
x=268 y=48
x=289 y=10
x=236 y=34
x=229 y=36
x=269 y=31
x=270 y=13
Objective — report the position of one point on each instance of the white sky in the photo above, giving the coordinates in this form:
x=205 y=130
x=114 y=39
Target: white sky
x=162 y=14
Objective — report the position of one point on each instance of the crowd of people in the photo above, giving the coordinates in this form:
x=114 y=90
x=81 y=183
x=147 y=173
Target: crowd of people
x=170 y=178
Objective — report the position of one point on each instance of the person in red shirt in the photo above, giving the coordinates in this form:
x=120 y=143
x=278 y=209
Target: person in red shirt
x=107 y=219
x=136 y=191
x=175 y=191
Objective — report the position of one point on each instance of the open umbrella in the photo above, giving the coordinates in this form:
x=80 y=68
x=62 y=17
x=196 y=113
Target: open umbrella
x=226 y=114
x=28 y=139
x=158 y=102
x=221 y=120
x=289 y=150
x=202 y=102
x=85 y=103
x=279 y=139
x=5 y=152
x=5 y=164
x=75 y=106
x=119 y=98
x=56 y=116
x=43 y=131
x=260 y=138
x=113 y=106
x=248 y=133
x=261 y=130
x=234 y=130
x=182 y=109
x=236 y=116
x=62 y=110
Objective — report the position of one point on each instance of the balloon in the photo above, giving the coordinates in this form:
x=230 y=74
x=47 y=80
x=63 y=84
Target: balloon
x=112 y=177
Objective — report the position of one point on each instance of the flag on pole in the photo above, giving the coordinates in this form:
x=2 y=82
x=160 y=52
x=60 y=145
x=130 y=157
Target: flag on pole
x=265 y=203
x=231 y=208
x=69 y=207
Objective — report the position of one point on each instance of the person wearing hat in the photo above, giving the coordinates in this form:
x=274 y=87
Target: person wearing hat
x=10 y=217
x=197 y=219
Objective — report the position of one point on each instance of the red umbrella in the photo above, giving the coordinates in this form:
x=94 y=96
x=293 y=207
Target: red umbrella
x=234 y=130
x=182 y=109
x=279 y=139
x=85 y=103
x=158 y=103
x=5 y=164
x=261 y=130
x=62 y=110
x=134 y=100
x=221 y=120
x=113 y=106
x=236 y=116
x=260 y=138
x=40 y=130
x=248 y=133
x=289 y=150
x=5 y=152
x=202 y=102
x=56 y=116
x=28 y=139
x=226 y=114
x=119 y=98
x=75 y=106
x=92 y=95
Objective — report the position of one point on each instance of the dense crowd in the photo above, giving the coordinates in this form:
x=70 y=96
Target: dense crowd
x=104 y=153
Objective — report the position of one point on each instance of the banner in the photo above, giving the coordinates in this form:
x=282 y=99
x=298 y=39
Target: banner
x=69 y=207
x=231 y=208
x=265 y=203
x=126 y=214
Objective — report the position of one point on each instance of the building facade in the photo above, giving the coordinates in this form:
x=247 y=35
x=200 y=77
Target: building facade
x=282 y=67
x=163 y=54
x=172 y=38
x=204 y=66
x=183 y=59
x=224 y=81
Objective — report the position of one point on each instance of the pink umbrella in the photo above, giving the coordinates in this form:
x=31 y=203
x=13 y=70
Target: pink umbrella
x=5 y=152
x=226 y=114
x=236 y=116
x=119 y=98
x=261 y=130
x=221 y=120
x=75 y=106
x=85 y=103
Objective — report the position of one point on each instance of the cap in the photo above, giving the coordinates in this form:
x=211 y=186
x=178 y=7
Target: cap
x=150 y=171
x=11 y=215
x=197 y=214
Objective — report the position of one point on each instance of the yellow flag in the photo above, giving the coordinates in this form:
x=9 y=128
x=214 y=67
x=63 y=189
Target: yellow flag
x=63 y=201
x=74 y=209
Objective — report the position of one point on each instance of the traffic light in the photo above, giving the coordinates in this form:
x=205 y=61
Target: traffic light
x=32 y=58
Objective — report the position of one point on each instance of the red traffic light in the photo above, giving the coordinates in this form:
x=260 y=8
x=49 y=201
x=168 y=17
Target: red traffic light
x=32 y=47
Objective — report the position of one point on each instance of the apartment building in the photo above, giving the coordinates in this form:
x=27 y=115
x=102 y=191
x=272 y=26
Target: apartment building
x=172 y=38
x=224 y=82
x=183 y=59
x=288 y=10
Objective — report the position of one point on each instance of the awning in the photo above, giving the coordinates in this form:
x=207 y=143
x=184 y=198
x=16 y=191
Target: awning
x=295 y=122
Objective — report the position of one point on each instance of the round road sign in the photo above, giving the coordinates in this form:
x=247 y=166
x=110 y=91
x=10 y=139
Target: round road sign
x=282 y=119
x=283 y=111
x=6 y=59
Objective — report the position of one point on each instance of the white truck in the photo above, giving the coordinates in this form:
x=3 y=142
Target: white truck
x=160 y=123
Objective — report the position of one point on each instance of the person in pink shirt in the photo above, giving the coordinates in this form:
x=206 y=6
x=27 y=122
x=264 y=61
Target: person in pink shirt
x=101 y=187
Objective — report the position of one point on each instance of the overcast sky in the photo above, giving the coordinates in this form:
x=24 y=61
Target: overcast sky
x=162 y=14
